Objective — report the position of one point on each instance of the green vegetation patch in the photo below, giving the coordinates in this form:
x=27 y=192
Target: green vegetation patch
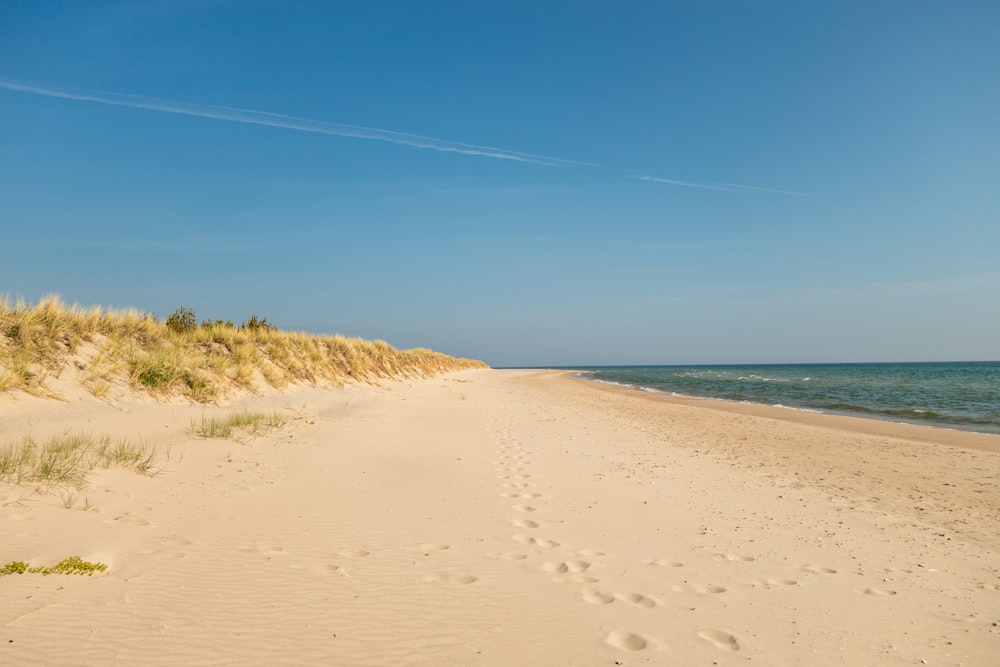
x=237 y=424
x=67 y=460
x=71 y=565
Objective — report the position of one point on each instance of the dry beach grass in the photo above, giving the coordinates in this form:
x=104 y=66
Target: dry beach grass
x=105 y=349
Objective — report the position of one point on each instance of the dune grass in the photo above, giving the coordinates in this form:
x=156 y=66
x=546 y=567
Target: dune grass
x=237 y=424
x=66 y=461
x=110 y=348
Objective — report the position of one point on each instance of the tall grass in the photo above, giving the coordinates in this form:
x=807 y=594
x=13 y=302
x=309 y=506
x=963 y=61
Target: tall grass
x=236 y=424
x=38 y=343
x=66 y=461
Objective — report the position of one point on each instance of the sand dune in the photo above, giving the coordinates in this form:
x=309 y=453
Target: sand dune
x=508 y=518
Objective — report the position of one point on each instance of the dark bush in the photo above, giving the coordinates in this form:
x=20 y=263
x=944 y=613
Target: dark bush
x=254 y=324
x=182 y=320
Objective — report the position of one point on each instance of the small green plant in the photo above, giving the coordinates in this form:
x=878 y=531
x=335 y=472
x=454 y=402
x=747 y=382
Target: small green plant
x=155 y=376
x=14 y=567
x=71 y=565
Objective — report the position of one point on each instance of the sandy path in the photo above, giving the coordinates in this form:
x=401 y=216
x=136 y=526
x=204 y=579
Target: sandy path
x=502 y=518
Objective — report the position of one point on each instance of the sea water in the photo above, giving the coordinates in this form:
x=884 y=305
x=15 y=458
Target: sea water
x=959 y=395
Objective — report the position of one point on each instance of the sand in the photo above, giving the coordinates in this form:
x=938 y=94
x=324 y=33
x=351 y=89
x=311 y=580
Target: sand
x=508 y=518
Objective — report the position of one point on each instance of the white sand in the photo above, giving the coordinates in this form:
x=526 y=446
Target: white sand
x=509 y=518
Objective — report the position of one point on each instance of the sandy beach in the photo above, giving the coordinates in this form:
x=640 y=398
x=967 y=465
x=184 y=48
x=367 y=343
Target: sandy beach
x=504 y=517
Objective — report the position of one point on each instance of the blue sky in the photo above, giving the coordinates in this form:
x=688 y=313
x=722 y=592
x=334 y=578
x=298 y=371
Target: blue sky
x=528 y=183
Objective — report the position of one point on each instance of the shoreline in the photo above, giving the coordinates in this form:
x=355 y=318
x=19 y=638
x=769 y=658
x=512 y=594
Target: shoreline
x=929 y=423
x=874 y=425
x=488 y=517
x=950 y=395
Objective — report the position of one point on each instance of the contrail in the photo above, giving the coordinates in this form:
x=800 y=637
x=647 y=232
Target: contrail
x=253 y=117
x=724 y=187
x=279 y=120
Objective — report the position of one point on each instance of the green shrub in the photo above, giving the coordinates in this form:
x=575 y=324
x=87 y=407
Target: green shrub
x=156 y=376
x=182 y=320
x=254 y=324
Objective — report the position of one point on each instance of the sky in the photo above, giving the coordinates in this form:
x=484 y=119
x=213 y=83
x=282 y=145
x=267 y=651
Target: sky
x=543 y=183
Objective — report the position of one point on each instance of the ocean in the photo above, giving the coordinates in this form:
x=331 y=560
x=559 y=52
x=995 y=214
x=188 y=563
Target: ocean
x=958 y=395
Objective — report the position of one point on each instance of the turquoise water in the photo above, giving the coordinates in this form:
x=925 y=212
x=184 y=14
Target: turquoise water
x=960 y=395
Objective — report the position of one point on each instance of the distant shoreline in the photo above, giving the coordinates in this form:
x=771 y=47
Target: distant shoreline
x=955 y=396
x=869 y=425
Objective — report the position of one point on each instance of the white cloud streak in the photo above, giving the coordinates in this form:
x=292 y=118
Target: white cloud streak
x=722 y=187
x=253 y=117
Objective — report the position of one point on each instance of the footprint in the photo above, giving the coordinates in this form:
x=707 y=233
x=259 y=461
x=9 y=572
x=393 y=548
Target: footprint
x=638 y=599
x=529 y=496
x=174 y=541
x=525 y=523
x=561 y=567
x=878 y=591
x=735 y=558
x=591 y=553
x=508 y=555
x=271 y=548
x=816 y=569
x=330 y=568
x=768 y=583
x=626 y=641
x=697 y=588
x=664 y=563
x=444 y=578
x=432 y=546
x=352 y=553
x=720 y=639
x=523 y=508
x=597 y=597
x=537 y=541
x=130 y=520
